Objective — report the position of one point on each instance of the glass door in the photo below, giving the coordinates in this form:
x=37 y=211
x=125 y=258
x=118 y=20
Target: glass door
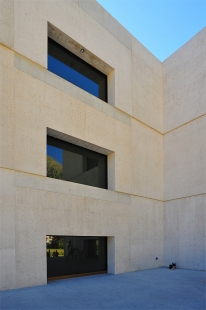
x=70 y=255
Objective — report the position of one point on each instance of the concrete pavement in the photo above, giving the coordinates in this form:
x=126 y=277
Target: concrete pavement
x=149 y=289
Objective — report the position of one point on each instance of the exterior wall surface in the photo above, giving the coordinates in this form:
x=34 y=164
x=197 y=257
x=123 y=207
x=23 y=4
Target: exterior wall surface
x=134 y=213
x=184 y=85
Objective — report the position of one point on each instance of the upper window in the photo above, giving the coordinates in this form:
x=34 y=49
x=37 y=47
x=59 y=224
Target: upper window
x=75 y=70
x=73 y=163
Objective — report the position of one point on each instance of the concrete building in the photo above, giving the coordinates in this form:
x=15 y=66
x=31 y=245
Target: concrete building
x=152 y=130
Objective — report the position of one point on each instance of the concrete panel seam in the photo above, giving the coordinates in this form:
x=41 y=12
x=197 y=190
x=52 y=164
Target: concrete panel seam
x=29 y=67
x=37 y=71
x=117 y=113
x=192 y=120
x=184 y=197
x=44 y=177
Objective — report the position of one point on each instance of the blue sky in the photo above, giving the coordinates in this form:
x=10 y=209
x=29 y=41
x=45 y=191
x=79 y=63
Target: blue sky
x=160 y=25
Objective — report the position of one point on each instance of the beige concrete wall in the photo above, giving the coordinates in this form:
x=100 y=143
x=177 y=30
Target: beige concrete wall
x=147 y=233
x=184 y=87
x=147 y=100
x=38 y=106
x=147 y=162
x=104 y=37
x=129 y=128
x=184 y=232
x=72 y=20
x=25 y=117
x=185 y=160
x=7 y=230
x=185 y=188
x=184 y=81
x=42 y=206
x=7 y=22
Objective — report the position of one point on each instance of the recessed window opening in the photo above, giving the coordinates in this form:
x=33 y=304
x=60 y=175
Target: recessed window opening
x=74 y=255
x=70 y=67
x=66 y=161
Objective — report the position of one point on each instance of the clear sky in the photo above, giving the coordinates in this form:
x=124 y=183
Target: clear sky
x=162 y=26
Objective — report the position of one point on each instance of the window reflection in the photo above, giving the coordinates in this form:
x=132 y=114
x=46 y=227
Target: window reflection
x=73 y=255
x=72 y=76
x=75 y=164
x=75 y=70
x=54 y=162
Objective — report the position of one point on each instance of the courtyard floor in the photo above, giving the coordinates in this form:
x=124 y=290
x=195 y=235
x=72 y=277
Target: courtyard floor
x=160 y=288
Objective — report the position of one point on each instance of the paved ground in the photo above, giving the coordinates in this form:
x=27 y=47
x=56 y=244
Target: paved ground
x=160 y=288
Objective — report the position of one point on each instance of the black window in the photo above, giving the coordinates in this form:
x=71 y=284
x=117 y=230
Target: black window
x=70 y=255
x=76 y=164
x=75 y=70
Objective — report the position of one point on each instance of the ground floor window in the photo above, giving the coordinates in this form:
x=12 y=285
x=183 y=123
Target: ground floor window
x=70 y=255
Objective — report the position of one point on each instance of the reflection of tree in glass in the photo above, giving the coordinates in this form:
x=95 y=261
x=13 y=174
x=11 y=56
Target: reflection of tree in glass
x=57 y=243
x=54 y=169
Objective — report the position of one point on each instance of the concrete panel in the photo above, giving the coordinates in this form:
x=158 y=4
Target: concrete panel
x=147 y=103
x=100 y=129
x=51 y=79
x=96 y=11
x=184 y=81
x=123 y=82
x=7 y=230
x=111 y=255
x=70 y=188
x=185 y=160
x=30 y=134
x=69 y=18
x=30 y=37
x=122 y=134
x=129 y=130
x=7 y=108
x=66 y=115
x=184 y=232
x=39 y=213
x=147 y=161
x=147 y=226
x=7 y=22
x=81 y=28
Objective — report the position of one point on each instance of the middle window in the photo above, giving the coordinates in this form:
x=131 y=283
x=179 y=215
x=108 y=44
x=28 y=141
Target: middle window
x=73 y=163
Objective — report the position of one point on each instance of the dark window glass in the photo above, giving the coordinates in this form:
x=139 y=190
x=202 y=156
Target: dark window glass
x=68 y=255
x=75 y=70
x=73 y=163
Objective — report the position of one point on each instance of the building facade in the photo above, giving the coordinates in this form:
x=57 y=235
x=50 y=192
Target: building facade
x=149 y=123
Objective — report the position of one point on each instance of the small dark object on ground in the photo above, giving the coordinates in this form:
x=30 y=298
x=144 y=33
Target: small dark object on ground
x=172 y=266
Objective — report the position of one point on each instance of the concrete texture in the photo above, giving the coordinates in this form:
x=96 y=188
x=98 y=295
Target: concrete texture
x=185 y=232
x=147 y=99
x=35 y=109
x=184 y=94
x=152 y=129
x=149 y=289
x=43 y=206
x=185 y=160
x=105 y=39
x=184 y=81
